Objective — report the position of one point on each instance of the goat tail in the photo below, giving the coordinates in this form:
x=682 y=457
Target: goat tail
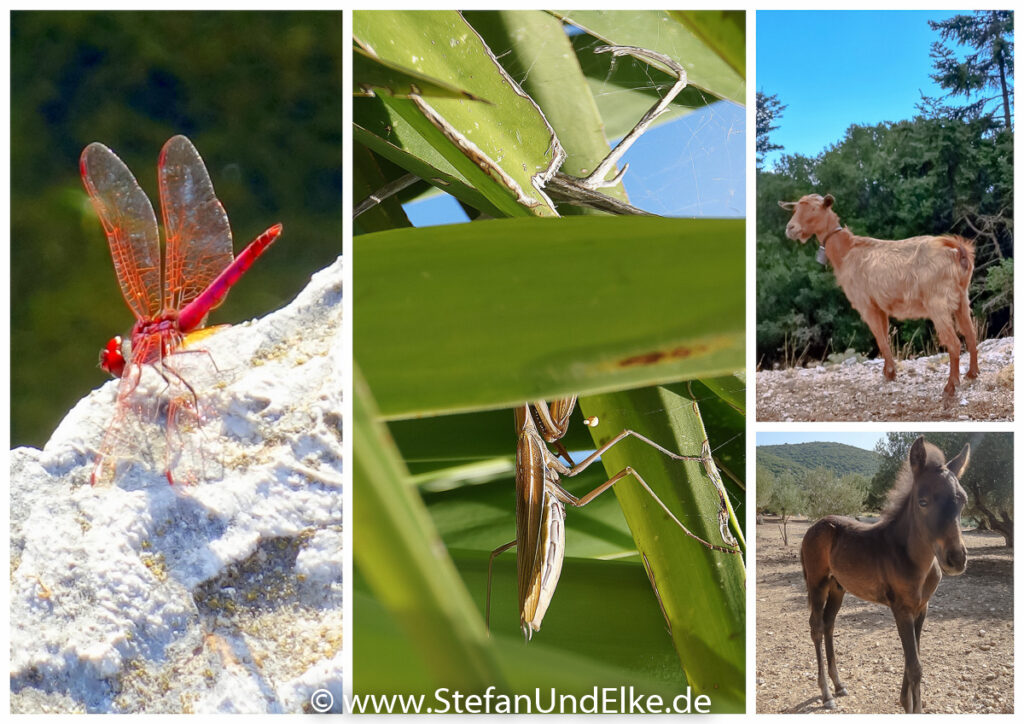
x=964 y=253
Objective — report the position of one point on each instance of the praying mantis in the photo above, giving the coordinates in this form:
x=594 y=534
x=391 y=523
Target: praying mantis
x=541 y=500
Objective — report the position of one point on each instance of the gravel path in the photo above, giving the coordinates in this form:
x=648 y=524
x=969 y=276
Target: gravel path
x=856 y=389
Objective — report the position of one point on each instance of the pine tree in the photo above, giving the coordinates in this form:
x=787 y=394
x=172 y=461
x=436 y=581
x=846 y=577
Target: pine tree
x=769 y=109
x=990 y=33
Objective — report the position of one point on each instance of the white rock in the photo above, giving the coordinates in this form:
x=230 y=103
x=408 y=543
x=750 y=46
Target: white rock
x=146 y=597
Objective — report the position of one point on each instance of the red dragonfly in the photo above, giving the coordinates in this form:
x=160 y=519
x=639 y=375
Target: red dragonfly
x=197 y=273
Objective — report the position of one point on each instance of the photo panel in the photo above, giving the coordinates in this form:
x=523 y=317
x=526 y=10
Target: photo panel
x=176 y=532
x=900 y=544
x=579 y=335
x=899 y=168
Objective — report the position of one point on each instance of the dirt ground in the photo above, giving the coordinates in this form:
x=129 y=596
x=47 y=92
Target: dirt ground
x=966 y=644
x=856 y=389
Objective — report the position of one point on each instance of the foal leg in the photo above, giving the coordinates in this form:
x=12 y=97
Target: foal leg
x=835 y=600
x=965 y=324
x=816 y=597
x=878 y=321
x=918 y=625
x=910 y=695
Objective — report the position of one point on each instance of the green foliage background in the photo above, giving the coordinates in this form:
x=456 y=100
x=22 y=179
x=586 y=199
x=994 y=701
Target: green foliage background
x=890 y=181
x=258 y=93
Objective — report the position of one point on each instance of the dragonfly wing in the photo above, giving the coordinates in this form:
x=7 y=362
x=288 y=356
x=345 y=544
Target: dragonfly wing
x=128 y=219
x=195 y=224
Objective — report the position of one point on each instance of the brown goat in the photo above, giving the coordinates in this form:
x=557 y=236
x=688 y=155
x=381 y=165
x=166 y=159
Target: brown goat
x=919 y=277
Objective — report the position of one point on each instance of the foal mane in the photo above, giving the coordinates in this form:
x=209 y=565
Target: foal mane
x=900 y=492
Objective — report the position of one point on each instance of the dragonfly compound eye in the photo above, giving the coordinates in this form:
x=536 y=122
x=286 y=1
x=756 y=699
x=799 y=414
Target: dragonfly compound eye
x=112 y=358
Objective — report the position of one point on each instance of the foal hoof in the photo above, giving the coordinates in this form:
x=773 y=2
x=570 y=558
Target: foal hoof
x=830 y=703
x=972 y=374
x=841 y=691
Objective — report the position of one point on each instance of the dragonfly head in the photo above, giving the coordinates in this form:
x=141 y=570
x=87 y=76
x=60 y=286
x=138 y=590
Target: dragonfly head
x=112 y=357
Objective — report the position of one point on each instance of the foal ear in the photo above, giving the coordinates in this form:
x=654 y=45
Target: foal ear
x=958 y=465
x=918 y=455
x=788 y=205
x=828 y=200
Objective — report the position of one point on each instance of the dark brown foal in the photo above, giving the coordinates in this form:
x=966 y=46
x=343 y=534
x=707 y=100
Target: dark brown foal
x=897 y=561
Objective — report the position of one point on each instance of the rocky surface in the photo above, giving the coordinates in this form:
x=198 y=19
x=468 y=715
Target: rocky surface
x=222 y=596
x=855 y=389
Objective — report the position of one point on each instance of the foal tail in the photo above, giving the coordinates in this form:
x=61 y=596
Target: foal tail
x=815 y=551
x=803 y=568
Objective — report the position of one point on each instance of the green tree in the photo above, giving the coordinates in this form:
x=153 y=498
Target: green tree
x=769 y=110
x=988 y=479
x=765 y=488
x=989 y=68
x=787 y=500
x=894 y=450
x=829 y=494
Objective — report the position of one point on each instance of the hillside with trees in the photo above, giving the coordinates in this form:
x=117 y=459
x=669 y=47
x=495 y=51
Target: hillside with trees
x=836 y=457
x=813 y=479
x=787 y=486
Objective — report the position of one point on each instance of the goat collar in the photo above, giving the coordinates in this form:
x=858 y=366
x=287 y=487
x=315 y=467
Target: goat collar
x=828 y=236
x=820 y=256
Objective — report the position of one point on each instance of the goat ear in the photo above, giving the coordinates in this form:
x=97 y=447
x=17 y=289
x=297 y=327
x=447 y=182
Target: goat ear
x=827 y=202
x=958 y=465
x=918 y=456
x=788 y=205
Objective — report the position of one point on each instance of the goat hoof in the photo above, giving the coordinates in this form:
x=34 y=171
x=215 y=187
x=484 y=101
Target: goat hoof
x=841 y=691
x=830 y=703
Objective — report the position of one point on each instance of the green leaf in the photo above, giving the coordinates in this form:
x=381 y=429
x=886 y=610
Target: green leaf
x=625 y=638
x=505 y=149
x=398 y=552
x=732 y=389
x=470 y=316
x=659 y=32
x=533 y=46
x=369 y=72
x=723 y=31
x=702 y=591
x=368 y=175
x=387 y=134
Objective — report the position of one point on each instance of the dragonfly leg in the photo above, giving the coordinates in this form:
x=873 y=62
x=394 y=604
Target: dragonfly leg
x=177 y=410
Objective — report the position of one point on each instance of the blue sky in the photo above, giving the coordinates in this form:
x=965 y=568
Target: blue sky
x=836 y=68
x=693 y=166
x=864 y=440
